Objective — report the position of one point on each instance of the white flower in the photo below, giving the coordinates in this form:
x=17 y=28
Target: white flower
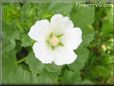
x=55 y=40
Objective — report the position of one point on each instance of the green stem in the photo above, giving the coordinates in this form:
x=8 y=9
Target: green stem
x=21 y=60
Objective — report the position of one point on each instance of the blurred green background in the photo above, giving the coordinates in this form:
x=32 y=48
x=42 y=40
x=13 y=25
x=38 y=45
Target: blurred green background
x=95 y=62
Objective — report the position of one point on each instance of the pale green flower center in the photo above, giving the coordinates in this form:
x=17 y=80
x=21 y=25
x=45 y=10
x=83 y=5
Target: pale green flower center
x=54 y=41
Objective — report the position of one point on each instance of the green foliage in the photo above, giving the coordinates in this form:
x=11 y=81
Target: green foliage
x=81 y=59
x=95 y=54
x=70 y=77
x=86 y=14
x=61 y=8
x=34 y=64
x=46 y=77
x=101 y=56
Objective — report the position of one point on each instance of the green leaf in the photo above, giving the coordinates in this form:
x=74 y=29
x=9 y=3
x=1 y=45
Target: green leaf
x=62 y=8
x=34 y=64
x=53 y=68
x=13 y=73
x=10 y=32
x=46 y=78
x=82 y=16
x=107 y=28
x=70 y=77
x=21 y=76
x=88 y=35
x=8 y=65
x=107 y=24
x=26 y=40
x=82 y=57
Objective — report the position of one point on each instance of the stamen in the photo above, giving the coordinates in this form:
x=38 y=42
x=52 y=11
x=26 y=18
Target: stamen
x=54 y=41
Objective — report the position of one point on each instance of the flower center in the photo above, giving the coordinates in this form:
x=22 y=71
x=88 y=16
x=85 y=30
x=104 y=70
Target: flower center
x=54 y=41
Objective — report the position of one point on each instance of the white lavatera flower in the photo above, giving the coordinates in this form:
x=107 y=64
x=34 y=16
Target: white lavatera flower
x=55 y=40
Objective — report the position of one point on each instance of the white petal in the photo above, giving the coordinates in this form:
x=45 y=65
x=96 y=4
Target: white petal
x=64 y=56
x=40 y=30
x=72 y=38
x=43 y=52
x=59 y=23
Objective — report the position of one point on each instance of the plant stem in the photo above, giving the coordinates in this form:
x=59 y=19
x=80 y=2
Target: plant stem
x=21 y=60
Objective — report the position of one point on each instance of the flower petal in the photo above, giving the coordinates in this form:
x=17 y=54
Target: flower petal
x=40 y=30
x=59 y=23
x=64 y=56
x=43 y=52
x=72 y=38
